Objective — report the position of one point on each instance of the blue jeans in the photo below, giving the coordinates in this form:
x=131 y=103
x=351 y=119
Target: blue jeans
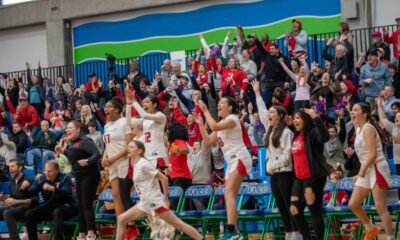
x=37 y=155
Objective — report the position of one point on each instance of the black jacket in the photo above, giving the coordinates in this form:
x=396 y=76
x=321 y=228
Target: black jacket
x=276 y=75
x=314 y=140
x=20 y=140
x=344 y=65
x=83 y=148
x=62 y=194
x=17 y=193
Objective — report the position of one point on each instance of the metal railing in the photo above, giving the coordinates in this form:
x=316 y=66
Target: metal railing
x=149 y=64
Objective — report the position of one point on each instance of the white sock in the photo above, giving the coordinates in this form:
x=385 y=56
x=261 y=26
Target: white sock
x=389 y=237
x=369 y=226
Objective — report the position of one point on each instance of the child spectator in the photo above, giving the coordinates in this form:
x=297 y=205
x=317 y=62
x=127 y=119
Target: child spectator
x=341 y=195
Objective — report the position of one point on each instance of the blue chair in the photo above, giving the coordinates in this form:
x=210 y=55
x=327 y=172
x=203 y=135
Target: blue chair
x=261 y=193
x=394 y=208
x=105 y=218
x=214 y=216
x=176 y=193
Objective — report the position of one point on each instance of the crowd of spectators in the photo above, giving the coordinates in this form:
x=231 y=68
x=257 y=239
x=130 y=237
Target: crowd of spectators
x=35 y=114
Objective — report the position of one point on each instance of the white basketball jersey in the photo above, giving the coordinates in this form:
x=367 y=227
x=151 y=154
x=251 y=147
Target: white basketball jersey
x=231 y=141
x=153 y=134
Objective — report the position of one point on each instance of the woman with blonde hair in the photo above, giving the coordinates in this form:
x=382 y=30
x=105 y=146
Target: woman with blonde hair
x=86 y=117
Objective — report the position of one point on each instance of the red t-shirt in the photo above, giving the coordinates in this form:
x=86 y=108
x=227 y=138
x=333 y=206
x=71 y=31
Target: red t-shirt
x=301 y=167
x=179 y=165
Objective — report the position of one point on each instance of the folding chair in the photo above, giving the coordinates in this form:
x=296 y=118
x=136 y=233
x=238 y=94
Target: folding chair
x=105 y=218
x=261 y=193
x=215 y=216
x=196 y=192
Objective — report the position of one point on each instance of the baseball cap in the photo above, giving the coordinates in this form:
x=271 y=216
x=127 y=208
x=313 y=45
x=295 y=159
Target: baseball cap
x=377 y=34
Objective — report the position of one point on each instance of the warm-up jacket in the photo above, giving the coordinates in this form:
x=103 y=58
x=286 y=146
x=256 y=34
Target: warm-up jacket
x=83 y=148
x=62 y=194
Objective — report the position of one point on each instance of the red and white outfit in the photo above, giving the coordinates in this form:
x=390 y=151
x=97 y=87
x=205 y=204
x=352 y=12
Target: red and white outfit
x=148 y=188
x=231 y=75
x=232 y=145
x=114 y=138
x=153 y=132
x=379 y=172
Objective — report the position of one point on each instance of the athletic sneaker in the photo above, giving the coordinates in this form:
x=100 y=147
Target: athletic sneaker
x=230 y=236
x=132 y=232
x=167 y=231
x=374 y=232
x=156 y=227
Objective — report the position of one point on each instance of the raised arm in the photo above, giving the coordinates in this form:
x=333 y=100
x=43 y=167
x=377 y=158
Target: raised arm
x=158 y=117
x=203 y=42
x=382 y=116
x=132 y=121
x=214 y=125
x=291 y=74
x=262 y=109
x=224 y=50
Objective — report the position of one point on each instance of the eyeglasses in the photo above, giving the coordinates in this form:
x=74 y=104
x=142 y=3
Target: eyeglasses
x=22 y=100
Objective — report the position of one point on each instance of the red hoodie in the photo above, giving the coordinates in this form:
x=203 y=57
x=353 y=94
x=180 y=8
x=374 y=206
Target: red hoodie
x=27 y=117
x=395 y=39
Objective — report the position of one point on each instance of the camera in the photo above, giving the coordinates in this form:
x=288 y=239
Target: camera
x=111 y=61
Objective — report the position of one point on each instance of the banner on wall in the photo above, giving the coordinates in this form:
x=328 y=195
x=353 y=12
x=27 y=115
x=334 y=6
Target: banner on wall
x=179 y=57
x=153 y=33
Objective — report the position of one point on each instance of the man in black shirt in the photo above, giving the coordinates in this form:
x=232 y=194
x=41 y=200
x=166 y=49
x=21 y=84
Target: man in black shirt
x=15 y=206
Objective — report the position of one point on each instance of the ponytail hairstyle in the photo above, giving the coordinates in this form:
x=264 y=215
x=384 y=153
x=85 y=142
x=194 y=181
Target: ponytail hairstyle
x=140 y=145
x=276 y=136
x=232 y=102
x=365 y=108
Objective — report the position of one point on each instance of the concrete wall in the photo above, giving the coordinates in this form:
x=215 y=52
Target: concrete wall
x=20 y=45
x=54 y=13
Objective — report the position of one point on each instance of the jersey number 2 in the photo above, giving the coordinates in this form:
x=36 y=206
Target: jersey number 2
x=147 y=137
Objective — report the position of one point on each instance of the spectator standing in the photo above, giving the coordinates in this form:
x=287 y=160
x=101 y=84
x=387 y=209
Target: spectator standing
x=274 y=72
x=340 y=63
x=394 y=39
x=178 y=155
x=377 y=42
x=309 y=170
x=278 y=141
x=296 y=41
x=35 y=83
x=84 y=157
x=374 y=77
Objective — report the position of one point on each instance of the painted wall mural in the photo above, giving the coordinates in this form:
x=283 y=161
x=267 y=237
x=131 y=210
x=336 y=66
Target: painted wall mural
x=166 y=31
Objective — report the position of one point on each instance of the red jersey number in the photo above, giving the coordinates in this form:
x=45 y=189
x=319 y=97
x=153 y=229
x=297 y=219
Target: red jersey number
x=220 y=142
x=106 y=138
x=147 y=137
